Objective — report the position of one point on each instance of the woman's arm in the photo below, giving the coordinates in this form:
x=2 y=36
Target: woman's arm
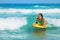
x=45 y=22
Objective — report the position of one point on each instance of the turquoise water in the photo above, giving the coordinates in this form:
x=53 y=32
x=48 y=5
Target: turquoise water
x=16 y=22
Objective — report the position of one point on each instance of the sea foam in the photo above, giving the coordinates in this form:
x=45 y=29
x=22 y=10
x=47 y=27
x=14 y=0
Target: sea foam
x=29 y=11
x=12 y=23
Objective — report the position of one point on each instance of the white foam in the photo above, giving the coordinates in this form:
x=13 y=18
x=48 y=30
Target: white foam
x=12 y=23
x=27 y=11
x=54 y=21
x=36 y=6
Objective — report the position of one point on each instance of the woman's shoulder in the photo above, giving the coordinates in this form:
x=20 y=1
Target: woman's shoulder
x=44 y=19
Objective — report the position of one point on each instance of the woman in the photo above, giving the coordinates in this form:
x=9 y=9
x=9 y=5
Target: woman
x=41 y=21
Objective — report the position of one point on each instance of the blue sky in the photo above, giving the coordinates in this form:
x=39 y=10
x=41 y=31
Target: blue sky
x=31 y=1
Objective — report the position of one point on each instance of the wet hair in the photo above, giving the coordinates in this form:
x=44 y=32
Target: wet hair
x=41 y=15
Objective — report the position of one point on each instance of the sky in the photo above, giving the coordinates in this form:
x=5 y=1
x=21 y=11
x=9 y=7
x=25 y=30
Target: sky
x=31 y=1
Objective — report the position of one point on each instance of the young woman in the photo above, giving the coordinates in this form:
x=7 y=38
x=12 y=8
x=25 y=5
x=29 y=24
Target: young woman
x=41 y=21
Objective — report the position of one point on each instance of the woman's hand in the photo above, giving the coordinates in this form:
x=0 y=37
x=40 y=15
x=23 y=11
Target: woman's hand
x=36 y=22
x=43 y=26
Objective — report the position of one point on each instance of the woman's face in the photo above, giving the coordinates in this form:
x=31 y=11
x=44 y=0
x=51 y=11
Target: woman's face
x=40 y=17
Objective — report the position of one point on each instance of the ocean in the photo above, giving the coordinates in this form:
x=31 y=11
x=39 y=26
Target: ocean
x=16 y=21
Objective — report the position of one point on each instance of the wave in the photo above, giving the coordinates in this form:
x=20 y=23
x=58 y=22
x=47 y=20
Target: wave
x=12 y=23
x=38 y=6
x=28 y=11
x=54 y=21
x=16 y=22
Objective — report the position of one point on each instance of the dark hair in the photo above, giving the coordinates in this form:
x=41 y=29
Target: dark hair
x=41 y=15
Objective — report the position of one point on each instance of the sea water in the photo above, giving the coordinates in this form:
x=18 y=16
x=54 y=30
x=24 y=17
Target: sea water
x=16 y=21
